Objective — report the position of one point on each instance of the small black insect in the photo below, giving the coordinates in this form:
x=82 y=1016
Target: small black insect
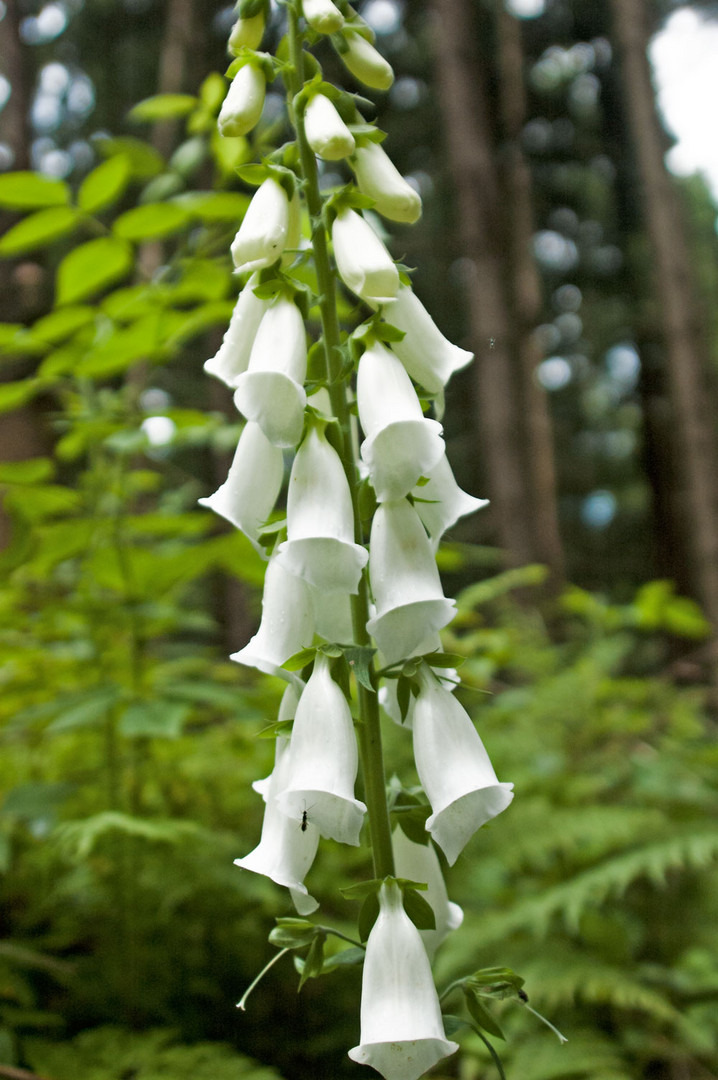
x=305 y=821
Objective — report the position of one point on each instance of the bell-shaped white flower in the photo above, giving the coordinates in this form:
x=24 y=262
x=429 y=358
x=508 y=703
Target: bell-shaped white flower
x=271 y=390
x=378 y=177
x=333 y=614
x=232 y=357
x=454 y=768
x=401 y=444
x=402 y=1032
x=365 y=63
x=410 y=603
x=247 y=33
x=429 y=357
x=419 y=862
x=287 y=709
x=242 y=107
x=323 y=760
x=323 y=16
x=287 y=846
x=248 y=495
x=327 y=134
x=265 y=229
x=441 y=502
x=320 y=522
x=364 y=264
x=287 y=624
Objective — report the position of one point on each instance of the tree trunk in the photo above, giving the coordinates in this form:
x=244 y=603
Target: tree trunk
x=524 y=285
x=678 y=312
x=464 y=109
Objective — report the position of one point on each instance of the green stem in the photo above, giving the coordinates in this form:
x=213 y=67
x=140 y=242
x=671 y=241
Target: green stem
x=369 y=726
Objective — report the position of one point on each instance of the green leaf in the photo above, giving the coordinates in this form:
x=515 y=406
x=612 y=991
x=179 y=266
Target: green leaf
x=32 y=471
x=15 y=394
x=91 y=708
x=299 y=660
x=151 y=222
x=91 y=267
x=346 y=958
x=481 y=1015
x=368 y=915
x=145 y=161
x=359 y=658
x=30 y=191
x=59 y=325
x=105 y=184
x=253 y=174
x=211 y=206
x=292 y=933
x=163 y=719
x=163 y=107
x=314 y=960
x=39 y=229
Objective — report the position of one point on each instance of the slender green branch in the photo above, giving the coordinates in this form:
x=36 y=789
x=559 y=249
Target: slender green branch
x=369 y=726
x=489 y=1047
x=242 y=1003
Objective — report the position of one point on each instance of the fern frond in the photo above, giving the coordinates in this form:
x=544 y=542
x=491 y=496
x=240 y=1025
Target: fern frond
x=78 y=838
x=586 y=1054
x=610 y=878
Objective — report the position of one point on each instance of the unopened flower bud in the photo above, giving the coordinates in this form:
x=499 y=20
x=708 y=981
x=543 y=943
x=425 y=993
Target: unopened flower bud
x=247 y=33
x=364 y=264
x=378 y=177
x=244 y=102
x=365 y=63
x=327 y=134
x=323 y=16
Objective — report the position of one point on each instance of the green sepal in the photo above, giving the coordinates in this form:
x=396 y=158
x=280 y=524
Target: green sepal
x=300 y=659
x=412 y=822
x=331 y=650
x=359 y=658
x=481 y=1015
x=452 y=1024
x=362 y=889
x=264 y=61
x=257 y=172
x=316 y=364
x=366 y=133
x=496 y=982
x=346 y=958
x=345 y=198
x=269 y=533
x=368 y=915
x=416 y=906
x=314 y=960
x=443 y=659
x=404 y=688
x=292 y=933
x=366 y=497
x=247 y=9
x=280 y=729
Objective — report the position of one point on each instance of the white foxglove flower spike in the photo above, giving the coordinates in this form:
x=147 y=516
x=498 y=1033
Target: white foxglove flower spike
x=286 y=627
x=320 y=520
x=271 y=390
x=419 y=862
x=454 y=768
x=247 y=497
x=364 y=264
x=266 y=228
x=378 y=177
x=442 y=502
x=429 y=357
x=323 y=760
x=285 y=851
x=327 y=134
x=365 y=63
x=242 y=107
x=401 y=444
x=402 y=1032
x=323 y=16
x=232 y=357
x=410 y=603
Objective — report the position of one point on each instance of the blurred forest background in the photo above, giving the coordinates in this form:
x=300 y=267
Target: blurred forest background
x=554 y=244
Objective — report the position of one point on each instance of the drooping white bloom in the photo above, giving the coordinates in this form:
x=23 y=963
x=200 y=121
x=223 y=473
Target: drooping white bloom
x=378 y=177
x=287 y=624
x=286 y=850
x=365 y=63
x=271 y=390
x=265 y=229
x=244 y=102
x=287 y=709
x=323 y=760
x=323 y=16
x=442 y=502
x=327 y=134
x=402 y=1032
x=248 y=495
x=246 y=33
x=419 y=862
x=454 y=768
x=364 y=264
x=320 y=521
x=401 y=444
x=232 y=357
x=410 y=603
x=429 y=357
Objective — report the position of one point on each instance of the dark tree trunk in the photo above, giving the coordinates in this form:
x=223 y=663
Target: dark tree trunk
x=462 y=98
x=524 y=286
x=678 y=313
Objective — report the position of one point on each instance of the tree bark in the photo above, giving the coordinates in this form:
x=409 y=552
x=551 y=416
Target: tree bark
x=462 y=98
x=678 y=311
x=524 y=285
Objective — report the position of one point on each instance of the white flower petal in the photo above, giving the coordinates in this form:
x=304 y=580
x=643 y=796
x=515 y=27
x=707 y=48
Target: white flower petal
x=242 y=107
x=263 y=233
x=287 y=624
x=419 y=862
x=322 y=16
x=364 y=264
x=323 y=760
x=232 y=357
x=379 y=178
x=442 y=502
x=454 y=768
x=327 y=134
x=365 y=63
x=248 y=495
x=402 y=1032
